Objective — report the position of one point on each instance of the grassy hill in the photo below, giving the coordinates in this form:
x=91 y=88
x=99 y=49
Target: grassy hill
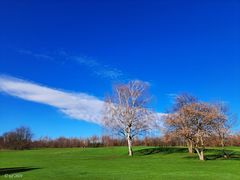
x=113 y=163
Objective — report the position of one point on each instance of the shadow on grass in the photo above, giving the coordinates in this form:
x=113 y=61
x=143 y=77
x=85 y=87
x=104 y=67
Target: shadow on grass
x=160 y=150
x=224 y=155
x=210 y=154
x=14 y=170
x=217 y=154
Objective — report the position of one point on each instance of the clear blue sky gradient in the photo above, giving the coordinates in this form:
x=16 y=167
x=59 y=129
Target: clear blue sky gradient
x=177 y=46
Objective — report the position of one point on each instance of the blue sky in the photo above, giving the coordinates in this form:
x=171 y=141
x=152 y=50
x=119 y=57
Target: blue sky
x=53 y=51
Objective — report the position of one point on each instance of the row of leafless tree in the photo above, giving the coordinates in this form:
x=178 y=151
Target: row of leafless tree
x=19 y=142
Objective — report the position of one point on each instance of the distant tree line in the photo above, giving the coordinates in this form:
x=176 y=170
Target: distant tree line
x=21 y=139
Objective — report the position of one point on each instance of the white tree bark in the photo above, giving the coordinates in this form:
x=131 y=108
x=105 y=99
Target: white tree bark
x=200 y=154
x=129 y=140
x=190 y=146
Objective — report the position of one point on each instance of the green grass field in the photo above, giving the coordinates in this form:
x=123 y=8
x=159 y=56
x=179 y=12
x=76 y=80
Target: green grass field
x=113 y=163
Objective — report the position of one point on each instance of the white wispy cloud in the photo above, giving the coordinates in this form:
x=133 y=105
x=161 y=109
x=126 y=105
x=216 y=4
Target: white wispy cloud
x=78 y=106
x=36 y=55
x=95 y=67
x=98 y=69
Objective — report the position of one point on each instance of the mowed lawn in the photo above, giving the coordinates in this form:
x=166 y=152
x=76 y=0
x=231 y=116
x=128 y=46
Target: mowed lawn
x=113 y=163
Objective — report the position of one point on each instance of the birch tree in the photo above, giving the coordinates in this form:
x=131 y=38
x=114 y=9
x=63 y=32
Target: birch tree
x=127 y=111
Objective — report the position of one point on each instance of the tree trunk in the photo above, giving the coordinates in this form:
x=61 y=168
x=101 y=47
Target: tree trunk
x=225 y=154
x=190 y=146
x=222 y=137
x=200 y=149
x=222 y=143
x=200 y=154
x=129 y=140
x=202 y=158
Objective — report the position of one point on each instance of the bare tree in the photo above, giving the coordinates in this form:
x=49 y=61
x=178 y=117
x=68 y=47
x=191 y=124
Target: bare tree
x=204 y=120
x=127 y=112
x=177 y=124
x=20 y=138
x=225 y=122
x=197 y=122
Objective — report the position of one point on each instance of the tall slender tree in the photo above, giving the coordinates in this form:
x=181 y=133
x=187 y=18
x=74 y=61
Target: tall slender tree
x=127 y=111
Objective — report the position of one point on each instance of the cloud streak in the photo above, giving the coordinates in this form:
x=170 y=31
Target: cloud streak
x=95 y=67
x=78 y=106
x=98 y=69
x=36 y=55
